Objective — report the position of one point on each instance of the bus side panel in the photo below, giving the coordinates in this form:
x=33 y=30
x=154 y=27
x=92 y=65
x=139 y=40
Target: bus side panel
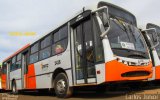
x=31 y=78
x=157 y=72
x=44 y=69
x=3 y=80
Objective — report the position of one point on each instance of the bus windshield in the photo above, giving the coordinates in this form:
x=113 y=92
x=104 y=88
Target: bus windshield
x=126 y=40
x=158 y=32
x=158 y=50
x=158 y=47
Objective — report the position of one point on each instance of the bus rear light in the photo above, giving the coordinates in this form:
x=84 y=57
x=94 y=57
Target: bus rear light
x=98 y=72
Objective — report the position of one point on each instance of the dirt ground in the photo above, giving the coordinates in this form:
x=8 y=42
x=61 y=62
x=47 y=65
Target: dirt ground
x=150 y=93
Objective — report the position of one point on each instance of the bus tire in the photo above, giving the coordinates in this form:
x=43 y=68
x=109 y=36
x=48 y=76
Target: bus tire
x=14 y=88
x=61 y=86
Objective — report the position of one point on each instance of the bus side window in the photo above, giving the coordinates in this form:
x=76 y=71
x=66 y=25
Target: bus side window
x=13 y=64
x=34 y=53
x=45 y=51
x=4 y=68
x=18 y=62
x=60 y=40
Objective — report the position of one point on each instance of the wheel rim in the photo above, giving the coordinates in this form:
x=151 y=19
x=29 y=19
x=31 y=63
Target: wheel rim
x=14 y=89
x=61 y=86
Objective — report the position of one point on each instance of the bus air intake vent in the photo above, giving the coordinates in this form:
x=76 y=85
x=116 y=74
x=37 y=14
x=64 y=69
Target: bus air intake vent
x=135 y=74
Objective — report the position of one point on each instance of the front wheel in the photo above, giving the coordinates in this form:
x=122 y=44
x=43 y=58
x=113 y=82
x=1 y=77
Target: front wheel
x=14 y=88
x=61 y=86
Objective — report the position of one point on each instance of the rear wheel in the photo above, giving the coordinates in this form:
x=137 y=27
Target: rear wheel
x=14 y=88
x=61 y=86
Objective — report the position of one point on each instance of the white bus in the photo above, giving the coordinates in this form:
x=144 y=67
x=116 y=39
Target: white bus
x=100 y=45
x=152 y=37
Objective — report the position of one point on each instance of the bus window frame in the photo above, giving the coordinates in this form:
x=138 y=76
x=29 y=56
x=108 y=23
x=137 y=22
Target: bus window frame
x=52 y=37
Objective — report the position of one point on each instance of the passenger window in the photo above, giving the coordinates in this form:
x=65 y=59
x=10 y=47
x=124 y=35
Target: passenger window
x=61 y=34
x=34 y=48
x=18 y=63
x=60 y=41
x=34 y=53
x=34 y=58
x=59 y=46
x=46 y=42
x=45 y=48
x=13 y=64
x=4 y=68
x=19 y=57
x=45 y=53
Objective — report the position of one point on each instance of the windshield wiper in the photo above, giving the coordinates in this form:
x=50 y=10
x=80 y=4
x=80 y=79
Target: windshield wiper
x=124 y=27
x=132 y=32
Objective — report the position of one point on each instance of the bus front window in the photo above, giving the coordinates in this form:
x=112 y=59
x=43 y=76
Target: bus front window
x=126 y=40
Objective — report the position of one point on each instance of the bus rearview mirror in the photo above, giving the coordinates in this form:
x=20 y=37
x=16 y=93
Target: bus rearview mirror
x=105 y=18
x=103 y=11
x=153 y=34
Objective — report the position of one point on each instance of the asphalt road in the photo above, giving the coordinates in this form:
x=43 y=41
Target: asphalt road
x=149 y=93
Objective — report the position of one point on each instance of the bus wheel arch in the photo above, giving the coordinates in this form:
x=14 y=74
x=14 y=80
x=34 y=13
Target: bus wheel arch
x=60 y=76
x=14 y=87
x=55 y=73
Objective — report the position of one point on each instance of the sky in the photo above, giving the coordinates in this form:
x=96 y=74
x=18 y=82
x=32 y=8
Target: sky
x=42 y=16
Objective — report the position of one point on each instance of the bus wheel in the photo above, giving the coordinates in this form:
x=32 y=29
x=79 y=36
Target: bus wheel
x=14 y=88
x=61 y=86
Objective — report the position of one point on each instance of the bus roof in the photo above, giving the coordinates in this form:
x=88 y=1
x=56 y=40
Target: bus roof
x=151 y=25
x=20 y=50
x=119 y=12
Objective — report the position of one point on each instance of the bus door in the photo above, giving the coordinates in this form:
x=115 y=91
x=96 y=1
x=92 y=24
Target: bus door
x=84 y=51
x=8 y=75
x=24 y=69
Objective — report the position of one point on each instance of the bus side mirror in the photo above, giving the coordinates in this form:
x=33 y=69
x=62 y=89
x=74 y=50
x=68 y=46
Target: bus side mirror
x=103 y=12
x=152 y=37
x=104 y=15
x=105 y=18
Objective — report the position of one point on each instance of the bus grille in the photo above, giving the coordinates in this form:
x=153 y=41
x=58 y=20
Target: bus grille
x=135 y=74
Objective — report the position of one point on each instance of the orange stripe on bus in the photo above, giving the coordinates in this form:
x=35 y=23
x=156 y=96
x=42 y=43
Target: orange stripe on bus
x=31 y=78
x=3 y=81
x=115 y=69
x=157 y=72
